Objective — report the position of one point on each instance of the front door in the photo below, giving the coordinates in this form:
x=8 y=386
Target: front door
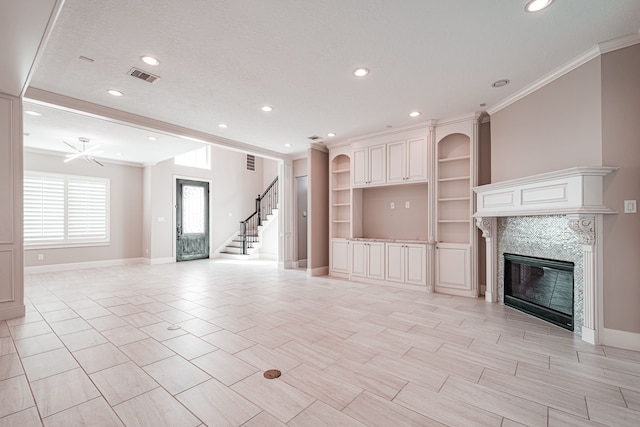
x=192 y=220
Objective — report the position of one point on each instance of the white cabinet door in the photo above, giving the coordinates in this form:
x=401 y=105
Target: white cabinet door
x=416 y=264
x=377 y=165
x=396 y=162
x=375 y=265
x=340 y=256
x=360 y=167
x=359 y=259
x=453 y=268
x=395 y=265
x=416 y=169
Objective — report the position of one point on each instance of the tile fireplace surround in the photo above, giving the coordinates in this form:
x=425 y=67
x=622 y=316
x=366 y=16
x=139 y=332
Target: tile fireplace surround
x=555 y=215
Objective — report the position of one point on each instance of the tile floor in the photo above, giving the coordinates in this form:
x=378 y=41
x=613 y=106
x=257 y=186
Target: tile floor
x=100 y=347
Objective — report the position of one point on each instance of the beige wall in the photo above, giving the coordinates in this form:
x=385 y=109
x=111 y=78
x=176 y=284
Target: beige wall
x=233 y=190
x=126 y=207
x=380 y=221
x=269 y=172
x=621 y=147
x=300 y=167
x=318 y=200
x=556 y=127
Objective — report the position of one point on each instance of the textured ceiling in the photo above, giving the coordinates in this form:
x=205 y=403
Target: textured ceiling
x=222 y=60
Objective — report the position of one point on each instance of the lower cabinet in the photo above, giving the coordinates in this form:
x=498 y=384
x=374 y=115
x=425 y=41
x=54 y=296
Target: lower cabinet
x=367 y=259
x=453 y=269
x=340 y=256
x=395 y=262
x=406 y=263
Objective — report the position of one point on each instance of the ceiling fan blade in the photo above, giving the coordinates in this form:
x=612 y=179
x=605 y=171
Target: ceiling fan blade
x=97 y=161
x=72 y=157
x=72 y=146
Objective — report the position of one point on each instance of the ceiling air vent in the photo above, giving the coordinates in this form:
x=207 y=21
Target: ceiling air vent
x=314 y=137
x=142 y=75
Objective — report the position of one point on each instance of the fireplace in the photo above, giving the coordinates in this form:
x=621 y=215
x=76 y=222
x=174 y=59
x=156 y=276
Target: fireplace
x=540 y=287
x=552 y=215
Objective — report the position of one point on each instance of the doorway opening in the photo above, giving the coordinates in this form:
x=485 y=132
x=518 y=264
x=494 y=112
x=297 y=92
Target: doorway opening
x=301 y=220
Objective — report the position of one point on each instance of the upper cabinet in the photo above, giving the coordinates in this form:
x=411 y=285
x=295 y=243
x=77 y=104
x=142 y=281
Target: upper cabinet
x=407 y=161
x=369 y=165
x=397 y=162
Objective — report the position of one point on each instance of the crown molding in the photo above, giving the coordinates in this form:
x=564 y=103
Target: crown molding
x=594 y=52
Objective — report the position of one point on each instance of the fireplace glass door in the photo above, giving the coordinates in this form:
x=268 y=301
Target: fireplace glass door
x=540 y=287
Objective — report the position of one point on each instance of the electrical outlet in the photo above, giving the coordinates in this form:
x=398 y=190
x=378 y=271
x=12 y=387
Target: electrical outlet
x=630 y=206
x=40 y=257
x=393 y=205
x=407 y=205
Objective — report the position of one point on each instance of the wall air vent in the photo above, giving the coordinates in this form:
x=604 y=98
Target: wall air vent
x=142 y=75
x=251 y=162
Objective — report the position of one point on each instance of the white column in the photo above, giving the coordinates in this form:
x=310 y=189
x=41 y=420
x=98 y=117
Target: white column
x=488 y=226
x=11 y=216
x=585 y=227
x=431 y=245
x=286 y=213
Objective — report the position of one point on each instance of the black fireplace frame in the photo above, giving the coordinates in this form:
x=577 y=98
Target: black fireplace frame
x=545 y=313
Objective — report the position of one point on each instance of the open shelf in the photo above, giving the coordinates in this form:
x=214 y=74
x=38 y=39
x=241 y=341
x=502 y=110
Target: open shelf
x=454 y=159
x=454 y=189
x=340 y=197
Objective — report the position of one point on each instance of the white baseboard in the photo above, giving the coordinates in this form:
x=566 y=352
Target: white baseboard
x=83 y=265
x=620 y=339
x=154 y=261
x=320 y=271
x=12 y=312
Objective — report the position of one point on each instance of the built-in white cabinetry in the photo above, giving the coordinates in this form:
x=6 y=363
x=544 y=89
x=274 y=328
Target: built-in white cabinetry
x=367 y=259
x=406 y=263
x=407 y=161
x=435 y=160
x=455 y=230
x=369 y=166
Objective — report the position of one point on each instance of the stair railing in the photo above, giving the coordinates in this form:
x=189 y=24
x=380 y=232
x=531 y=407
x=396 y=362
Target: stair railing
x=265 y=204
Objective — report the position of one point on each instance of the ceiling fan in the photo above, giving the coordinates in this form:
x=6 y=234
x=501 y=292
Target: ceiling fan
x=86 y=153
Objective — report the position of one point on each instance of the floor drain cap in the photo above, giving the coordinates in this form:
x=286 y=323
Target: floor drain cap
x=272 y=373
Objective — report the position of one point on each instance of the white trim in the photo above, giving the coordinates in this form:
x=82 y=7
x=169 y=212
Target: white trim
x=12 y=312
x=319 y=271
x=620 y=339
x=596 y=51
x=83 y=265
x=156 y=261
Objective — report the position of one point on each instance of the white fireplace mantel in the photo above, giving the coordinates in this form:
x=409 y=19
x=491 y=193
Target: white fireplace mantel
x=569 y=191
x=575 y=192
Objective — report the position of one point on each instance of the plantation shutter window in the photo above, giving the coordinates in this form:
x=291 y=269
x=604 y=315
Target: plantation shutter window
x=65 y=209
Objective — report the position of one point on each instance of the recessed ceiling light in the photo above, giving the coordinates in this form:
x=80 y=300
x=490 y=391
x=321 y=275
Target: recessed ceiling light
x=414 y=113
x=287 y=145
x=32 y=113
x=501 y=83
x=223 y=125
x=150 y=60
x=115 y=92
x=331 y=134
x=152 y=138
x=266 y=108
x=360 y=72
x=537 y=5
x=118 y=154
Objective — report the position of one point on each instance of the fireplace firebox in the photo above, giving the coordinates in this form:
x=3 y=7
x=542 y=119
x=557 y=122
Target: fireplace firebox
x=540 y=287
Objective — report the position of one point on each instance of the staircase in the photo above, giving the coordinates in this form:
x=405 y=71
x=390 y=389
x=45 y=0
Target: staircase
x=247 y=241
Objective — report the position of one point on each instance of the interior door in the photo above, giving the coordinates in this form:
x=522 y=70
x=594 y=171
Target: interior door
x=192 y=220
